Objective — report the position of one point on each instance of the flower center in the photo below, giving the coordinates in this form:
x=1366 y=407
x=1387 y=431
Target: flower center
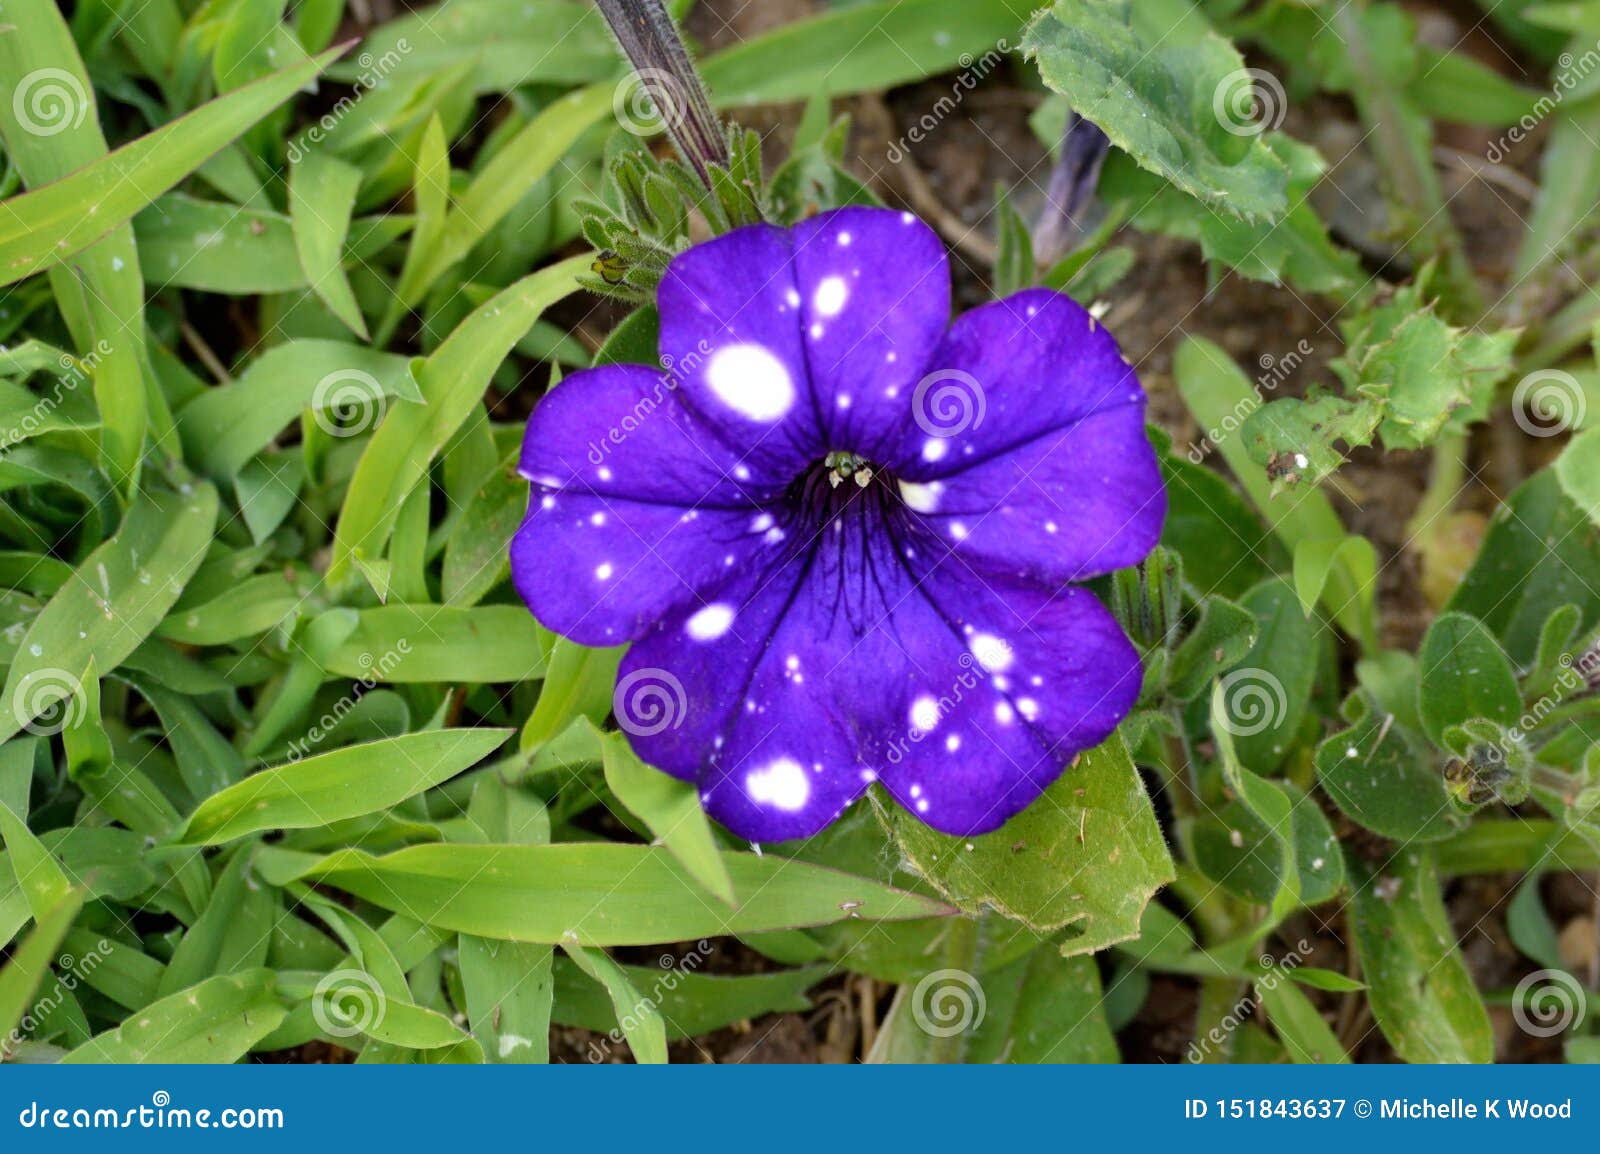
x=845 y=485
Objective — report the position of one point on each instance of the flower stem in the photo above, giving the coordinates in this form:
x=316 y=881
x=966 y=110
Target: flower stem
x=652 y=44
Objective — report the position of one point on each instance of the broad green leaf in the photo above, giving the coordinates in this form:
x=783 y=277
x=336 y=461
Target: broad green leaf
x=452 y=381
x=1282 y=665
x=251 y=607
x=1225 y=547
x=330 y=787
x=185 y=242
x=1154 y=91
x=579 y=683
x=408 y=644
x=1315 y=563
x=347 y=385
x=1465 y=674
x=114 y=601
x=1538 y=556
x=1578 y=470
x=218 y=1020
x=55 y=222
x=1266 y=801
x=1219 y=640
x=322 y=196
x=875 y=44
x=509 y=989
x=671 y=808
x=1417 y=983
x=595 y=894
x=1087 y=856
x=638 y=1017
x=1384 y=778
x=477 y=557
x=505 y=44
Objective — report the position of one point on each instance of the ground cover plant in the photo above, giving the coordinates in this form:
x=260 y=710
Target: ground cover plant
x=1195 y=404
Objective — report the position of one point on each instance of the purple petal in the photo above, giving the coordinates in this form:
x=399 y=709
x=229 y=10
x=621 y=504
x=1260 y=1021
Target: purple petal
x=604 y=570
x=1071 y=504
x=987 y=714
x=636 y=505
x=730 y=325
x=1007 y=373
x=874 y=302
x=1033 y=460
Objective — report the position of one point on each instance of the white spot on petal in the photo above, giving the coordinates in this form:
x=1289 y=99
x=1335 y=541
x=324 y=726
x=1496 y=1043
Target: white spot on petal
x=751 y=381
x=830 y=296
x=992 y=653
x=711 y=622
x=934 y=449
x=925 y=713
x=782 y=785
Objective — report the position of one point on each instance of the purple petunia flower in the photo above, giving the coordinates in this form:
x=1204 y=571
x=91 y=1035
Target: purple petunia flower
x=842 y=533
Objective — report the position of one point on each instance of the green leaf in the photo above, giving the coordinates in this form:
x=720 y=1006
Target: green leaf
x=347 y=385
x=411 y=644
x=1465 y=674
x=1284 y=659
x=1088 y=855
x=1418 y=985
x=29 y=964
x=114 y=601
x=875 y=44
x=595 y=894
x=690 y=1003
x=452 y=381
x=638 y=1017
x=509 y=989
x=1218 y=641
x=54 y=222
x=1384 y=778
x=1537 y=557
x=671 y=808
x=322 y=196
x=346 y=783
x=1578 y=470
x=1266 y=801
x=1300 y=1027
x=477 y=556
x=185 y=242
x=1153 y=90
x=218 y=1020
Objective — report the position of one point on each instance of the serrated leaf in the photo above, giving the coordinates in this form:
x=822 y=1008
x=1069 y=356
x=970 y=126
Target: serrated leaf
x=1087 y=856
